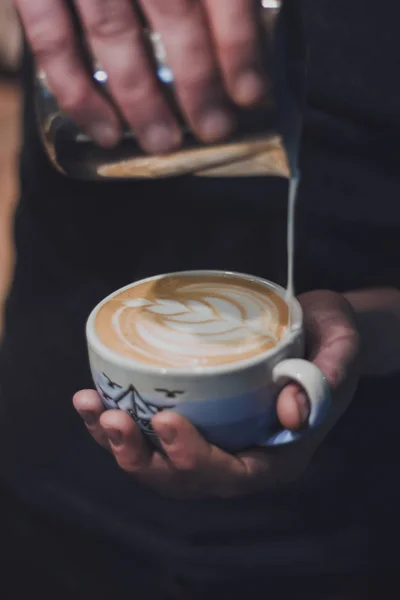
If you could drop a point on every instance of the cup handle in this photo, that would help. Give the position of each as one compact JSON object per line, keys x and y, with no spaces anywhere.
{"x":311,"y":379}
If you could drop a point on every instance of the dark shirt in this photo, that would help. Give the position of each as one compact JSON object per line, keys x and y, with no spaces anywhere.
{"x":78,"y":241}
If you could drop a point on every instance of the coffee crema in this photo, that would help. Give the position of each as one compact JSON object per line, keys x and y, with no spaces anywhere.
{"x":190,"y":321}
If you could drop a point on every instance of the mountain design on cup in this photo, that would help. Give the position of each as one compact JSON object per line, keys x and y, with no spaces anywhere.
{"x":190,"y":322}
{"x":116,"y":397}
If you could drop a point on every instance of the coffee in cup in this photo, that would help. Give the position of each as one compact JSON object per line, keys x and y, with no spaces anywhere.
{"x":190,"y":321}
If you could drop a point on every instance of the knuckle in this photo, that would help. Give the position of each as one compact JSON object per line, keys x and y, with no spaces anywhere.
{"x":49,"y":42}
{"x":111,"y":23}
{"x":43,"y":36}
{"x":187,"y":464}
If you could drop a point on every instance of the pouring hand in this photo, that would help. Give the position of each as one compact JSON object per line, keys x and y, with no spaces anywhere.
{"x":213,"y":49}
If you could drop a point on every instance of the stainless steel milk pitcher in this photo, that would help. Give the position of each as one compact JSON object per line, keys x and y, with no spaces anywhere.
{"x":265,"y":142}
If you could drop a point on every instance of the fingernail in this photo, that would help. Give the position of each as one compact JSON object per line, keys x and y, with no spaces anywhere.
{"x":104,"y":133}
{"x":88,"y":417}
{"x":250,"y":88}
{"x":216,"y":124}
{"x":304,"y":406}
{"x":161,"y":137}
{"x":114,"y":436}
{"x":168,"y":435}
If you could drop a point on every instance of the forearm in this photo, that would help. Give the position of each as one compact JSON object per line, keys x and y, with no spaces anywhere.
{"x":378,"y":317}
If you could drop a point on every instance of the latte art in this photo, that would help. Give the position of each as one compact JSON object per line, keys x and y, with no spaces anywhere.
{"x":189,"y":321}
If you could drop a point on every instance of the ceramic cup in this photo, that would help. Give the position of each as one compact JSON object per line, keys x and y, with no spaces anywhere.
{"x":233,"y":406}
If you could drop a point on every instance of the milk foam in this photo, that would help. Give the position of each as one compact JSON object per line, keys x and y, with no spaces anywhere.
{"x":189,"y":322}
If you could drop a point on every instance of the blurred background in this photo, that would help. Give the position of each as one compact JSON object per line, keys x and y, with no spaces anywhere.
{"x":10,"y":54}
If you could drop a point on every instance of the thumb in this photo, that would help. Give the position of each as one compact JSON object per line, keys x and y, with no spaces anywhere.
{"x":293,"y":407}
{"x":332,"y":345}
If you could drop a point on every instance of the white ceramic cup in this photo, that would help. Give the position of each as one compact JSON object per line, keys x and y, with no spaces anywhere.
{"x":233,"y":406}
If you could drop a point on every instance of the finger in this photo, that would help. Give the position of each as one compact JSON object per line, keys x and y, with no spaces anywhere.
{"x":50,"y":33}
{"x":331,"y":335}
{"x":185,"y":34}
{"x":293,"y":407}
{"x":127,"y":443}
{"x":207,"y":466}
{"x":90,"y":408}
{"x":116,"y":37}
{"x":237,"y":37}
